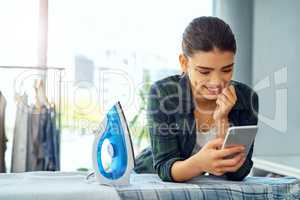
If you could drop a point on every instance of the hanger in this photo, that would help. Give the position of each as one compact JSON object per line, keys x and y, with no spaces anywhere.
{"x":20,"y":96}
{"x":41,"y":98}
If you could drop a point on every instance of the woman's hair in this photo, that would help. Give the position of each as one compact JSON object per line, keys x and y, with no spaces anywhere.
{"x":207,"y":33}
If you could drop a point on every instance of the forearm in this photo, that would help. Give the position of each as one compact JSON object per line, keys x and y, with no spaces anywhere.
{"x":189,"y":168}
{"x":185,"y":170}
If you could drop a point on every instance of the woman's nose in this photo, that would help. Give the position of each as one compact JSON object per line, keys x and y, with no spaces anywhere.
{"x":215,"y":81}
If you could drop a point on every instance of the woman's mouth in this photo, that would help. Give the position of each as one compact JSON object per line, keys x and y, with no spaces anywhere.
{"x":213,"y":90}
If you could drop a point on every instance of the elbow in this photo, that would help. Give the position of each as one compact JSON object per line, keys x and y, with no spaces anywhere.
{"x":163,"y":174}
{"x":163,"y":170}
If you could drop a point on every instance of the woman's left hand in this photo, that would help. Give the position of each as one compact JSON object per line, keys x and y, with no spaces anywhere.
{"x":225,"y":101}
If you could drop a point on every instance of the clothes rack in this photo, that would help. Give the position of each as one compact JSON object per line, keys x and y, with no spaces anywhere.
{"x":45,"y":68}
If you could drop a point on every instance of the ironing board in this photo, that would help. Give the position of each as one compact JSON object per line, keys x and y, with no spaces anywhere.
{"x":73,"y":185}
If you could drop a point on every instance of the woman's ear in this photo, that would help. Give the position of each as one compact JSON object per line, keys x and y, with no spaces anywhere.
{"x":183,"y":60}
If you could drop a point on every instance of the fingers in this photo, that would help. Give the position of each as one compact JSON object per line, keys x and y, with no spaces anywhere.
{"x":225,"y":163}
{"x":234,"y":168}
{"x":228,"y":95}
{"x":215,"y":143}
{"x":231,"y":165}
{"x":228,"y":92}
{"x":230,"y":151}
{"x":223,"y":102}
{"x":232,"y":90}
{"x":226,"y":98}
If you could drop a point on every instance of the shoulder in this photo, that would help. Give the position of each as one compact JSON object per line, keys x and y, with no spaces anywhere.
{"x":166,"y":86}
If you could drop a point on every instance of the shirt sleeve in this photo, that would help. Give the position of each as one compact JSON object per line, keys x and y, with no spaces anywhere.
{"x":164,"y":141}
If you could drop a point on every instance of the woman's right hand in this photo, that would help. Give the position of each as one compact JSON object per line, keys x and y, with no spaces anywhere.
{"x":212,"y":159}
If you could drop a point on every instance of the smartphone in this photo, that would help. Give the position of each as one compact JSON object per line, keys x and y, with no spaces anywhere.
{"x":240,"y":135}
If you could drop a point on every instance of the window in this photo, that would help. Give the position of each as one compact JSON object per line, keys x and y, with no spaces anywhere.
{"x":19,"y":31}
{"x":110,"y":48}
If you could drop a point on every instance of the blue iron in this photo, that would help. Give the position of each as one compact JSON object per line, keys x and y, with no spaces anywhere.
{"x":113,"y":156}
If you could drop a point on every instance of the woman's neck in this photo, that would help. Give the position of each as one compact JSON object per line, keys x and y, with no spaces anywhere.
{"x":205,"y":106}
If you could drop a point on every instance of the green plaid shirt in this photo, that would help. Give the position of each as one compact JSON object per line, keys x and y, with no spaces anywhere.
{"x":172,"y":125}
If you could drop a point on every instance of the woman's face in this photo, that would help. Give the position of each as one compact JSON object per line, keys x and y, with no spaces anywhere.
{"x":209,"y":72}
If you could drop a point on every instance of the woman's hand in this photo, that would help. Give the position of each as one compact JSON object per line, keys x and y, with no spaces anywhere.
{"x":211,"y":158}
{"x":225,"y":101}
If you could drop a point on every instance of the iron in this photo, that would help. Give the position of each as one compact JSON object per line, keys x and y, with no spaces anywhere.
{"x":113,"y":155}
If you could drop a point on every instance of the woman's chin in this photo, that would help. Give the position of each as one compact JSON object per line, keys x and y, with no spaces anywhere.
{"x":210,"y":97}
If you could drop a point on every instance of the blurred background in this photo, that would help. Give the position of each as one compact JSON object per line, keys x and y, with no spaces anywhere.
{"x":94,"y":53}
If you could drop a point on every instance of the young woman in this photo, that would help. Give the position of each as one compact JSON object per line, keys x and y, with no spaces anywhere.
{"x":189,"y":114}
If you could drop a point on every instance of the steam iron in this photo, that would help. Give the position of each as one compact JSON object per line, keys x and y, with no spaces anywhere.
{"x":113,"y":155}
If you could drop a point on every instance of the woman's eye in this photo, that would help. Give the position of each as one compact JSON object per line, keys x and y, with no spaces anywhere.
{"x":203,"y":72}
{"x":227,"y":71}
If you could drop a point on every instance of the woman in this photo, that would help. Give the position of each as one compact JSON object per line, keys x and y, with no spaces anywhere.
{"x":189,"y":114}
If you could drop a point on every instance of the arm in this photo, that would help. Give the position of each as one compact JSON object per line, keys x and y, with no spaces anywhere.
{"x":168,"y":163}
{"x":185,"y":170}
{"x":163,"y":142}
{"x":248,"y":118}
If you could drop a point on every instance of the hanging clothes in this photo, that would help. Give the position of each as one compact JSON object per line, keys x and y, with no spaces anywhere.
{"x":33,"y":145}
{"x":3,"y":138}
{"x":36,"y":137}
{"x":56,"y":138}
{"x":19,"y":150}
{"x":43,"y":140}
{"x":48,"y":138}
{"x":52,"y":138}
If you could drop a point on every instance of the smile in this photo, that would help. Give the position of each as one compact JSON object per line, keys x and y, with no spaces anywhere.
{"x":213,"y":91}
